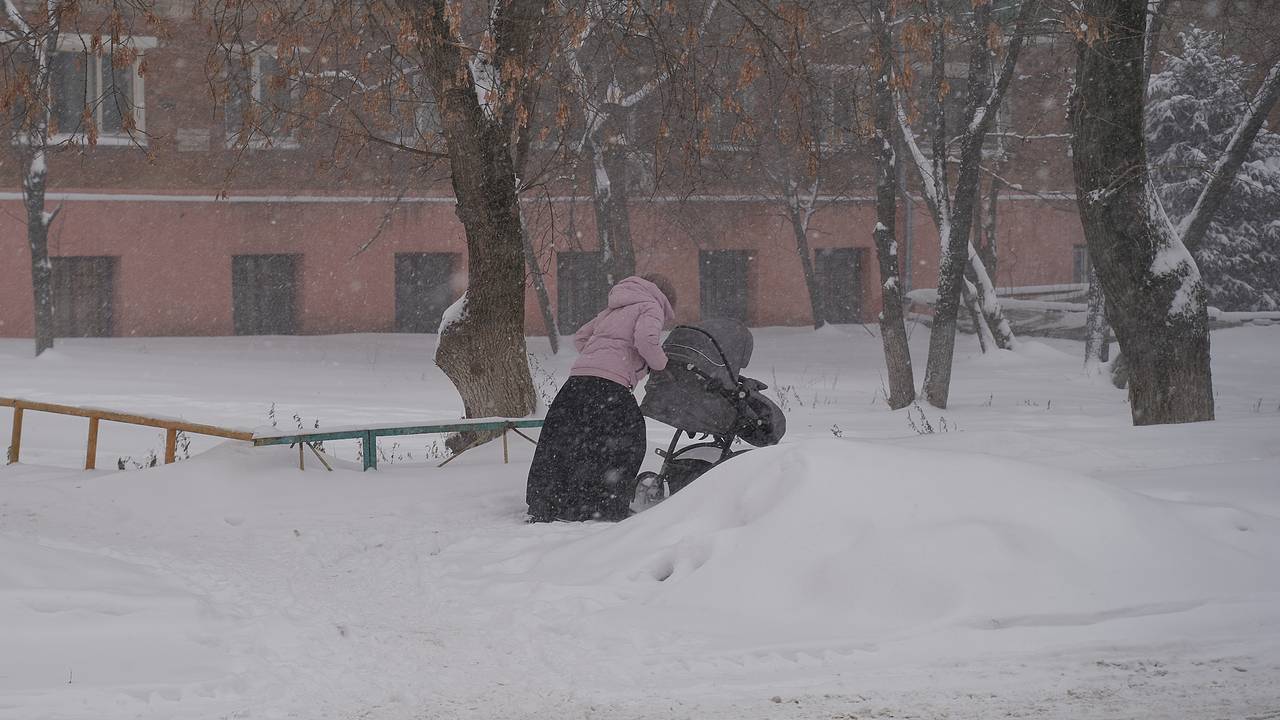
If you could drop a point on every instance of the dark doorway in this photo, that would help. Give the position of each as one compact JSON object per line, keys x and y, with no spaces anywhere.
{"x":722,"y":279}
{"x":264,"y":291}
{"x":839,"y":275}
{"x":83,"y":288}
{"x":582,"y":290}
{"x":423,"y":290}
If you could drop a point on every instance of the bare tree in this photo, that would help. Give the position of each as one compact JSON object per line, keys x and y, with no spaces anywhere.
{"x":482,"y":102}
{"x":1192,"y":228}
{"x":1155,"y":298}
{"x":35,"y":35}
{"x":786,"y":119}
{"x":955,"y":219}
{"x":29,"y":69}
{"x":893,"y":332}
{"x":804,"y":150}
{"x":609,"y":33}
{"x":362,"y":71}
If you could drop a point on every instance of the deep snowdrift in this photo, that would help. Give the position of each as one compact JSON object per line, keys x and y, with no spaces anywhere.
{"x":821,"y":540}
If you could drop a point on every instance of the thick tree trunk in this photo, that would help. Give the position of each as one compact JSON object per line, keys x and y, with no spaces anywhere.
{"x":1155,"y":299}
{"x":482,"y":351}
{"x":893,"y":331}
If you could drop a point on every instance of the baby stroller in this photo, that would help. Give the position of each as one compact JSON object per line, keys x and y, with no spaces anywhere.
{"x":703,"y":394}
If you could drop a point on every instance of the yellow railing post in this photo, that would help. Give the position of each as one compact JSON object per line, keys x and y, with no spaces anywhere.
{"x":15,"y":442}
{"x":91,"y":452}
{"x":170,"y":446}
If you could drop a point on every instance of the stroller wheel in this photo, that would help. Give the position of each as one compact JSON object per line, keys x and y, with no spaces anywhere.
{"x":650,"y":491}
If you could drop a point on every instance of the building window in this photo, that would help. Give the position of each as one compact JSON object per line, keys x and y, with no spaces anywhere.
{"x":417,"y":119}
{"x":96,"y":91}
{"x":83,"y":294}
{"x":262,"y":102}
{"x":1080,"y":267}
{"x":838,"y":273}
{"x":264,"y":292}
{"x":837,"y":88}
{"x":582,"y":290}
{"x":722,"y":276}
{"x":423,"y":290}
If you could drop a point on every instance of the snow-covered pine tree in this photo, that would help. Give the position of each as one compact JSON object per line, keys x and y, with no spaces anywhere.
{"x":1193,"y":107}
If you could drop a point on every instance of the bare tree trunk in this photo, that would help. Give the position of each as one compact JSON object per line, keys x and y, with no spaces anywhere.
{"x":988,"y":304}
{"x":958,"y":252}
{"x":893,"y":330}
{"x":613,"y":218}
{"x":483,"y":350}
{"x":816,"y":307}
{"x":524,"y":140}
{"x":799,"y":210}
{"x":33,"y":188}
{"x":540,"y":288}
{"x":987,"y":249}
{"x":1095,"y":327}
{"x":33,"y":132}
{"x":1155,"y":298}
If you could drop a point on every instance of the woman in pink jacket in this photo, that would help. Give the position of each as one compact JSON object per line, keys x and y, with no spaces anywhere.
{"x":593,"y":439}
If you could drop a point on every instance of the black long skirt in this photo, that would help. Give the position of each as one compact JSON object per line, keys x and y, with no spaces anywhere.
{"x":589,"y":452}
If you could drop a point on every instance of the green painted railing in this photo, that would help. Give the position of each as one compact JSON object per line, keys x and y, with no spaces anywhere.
{"x":368,"y":435}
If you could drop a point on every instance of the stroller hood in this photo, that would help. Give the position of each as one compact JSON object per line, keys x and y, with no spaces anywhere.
{"x":702,"y":390}
{"x":717,"y":348}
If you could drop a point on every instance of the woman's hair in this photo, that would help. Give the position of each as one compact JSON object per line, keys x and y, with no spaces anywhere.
{"x":664,"y":285}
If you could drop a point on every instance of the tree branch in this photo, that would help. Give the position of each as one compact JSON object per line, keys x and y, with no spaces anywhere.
{"x":15,"y":17}
{"x":1193,"y":227}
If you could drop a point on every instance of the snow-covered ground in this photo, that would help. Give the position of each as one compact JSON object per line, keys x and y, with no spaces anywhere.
{"x":1033,"y":556}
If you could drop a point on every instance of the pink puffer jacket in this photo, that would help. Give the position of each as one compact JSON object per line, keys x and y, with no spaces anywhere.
{"x":624,"y":341}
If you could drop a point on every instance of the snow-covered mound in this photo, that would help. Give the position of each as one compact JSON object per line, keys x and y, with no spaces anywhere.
{"x":857,"y":542}
{"x":83,"y":619}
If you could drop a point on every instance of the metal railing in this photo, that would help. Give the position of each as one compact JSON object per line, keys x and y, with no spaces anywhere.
{"x":96,"y":415}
